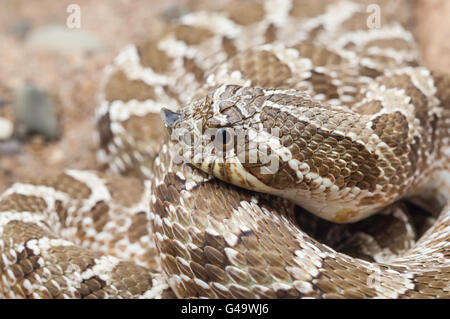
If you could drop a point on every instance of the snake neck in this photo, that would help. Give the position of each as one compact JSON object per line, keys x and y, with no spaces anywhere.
{"x":440,"y":180}
{"x":433,"y":191}
{"x":442,"y":84}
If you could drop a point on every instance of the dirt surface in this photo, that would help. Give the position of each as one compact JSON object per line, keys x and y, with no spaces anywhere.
{"x":71,"y":77}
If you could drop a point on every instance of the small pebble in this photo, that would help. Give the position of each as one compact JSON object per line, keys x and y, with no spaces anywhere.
{"x":10,"y":147}
{"x":35,"y":113}
{"x":6,"y":128}
{"x":3,"y":102}
{"x":20,"y":29}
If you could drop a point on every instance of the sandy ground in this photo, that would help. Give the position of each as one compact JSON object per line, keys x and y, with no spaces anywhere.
{"x":71,"y":77}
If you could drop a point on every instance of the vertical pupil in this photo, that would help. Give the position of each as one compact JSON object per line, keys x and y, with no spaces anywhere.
{"x":225,"y":137}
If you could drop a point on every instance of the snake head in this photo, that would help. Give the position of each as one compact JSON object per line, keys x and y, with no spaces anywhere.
{"x":222,"y":134}
{"x":281,"y":142}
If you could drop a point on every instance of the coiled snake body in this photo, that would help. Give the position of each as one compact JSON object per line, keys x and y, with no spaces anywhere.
{"x":352,"y":120}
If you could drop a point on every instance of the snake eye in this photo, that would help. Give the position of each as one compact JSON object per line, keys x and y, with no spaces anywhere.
{"x":224,"y":137}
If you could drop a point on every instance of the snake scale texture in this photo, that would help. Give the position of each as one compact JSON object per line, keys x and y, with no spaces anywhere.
{"x":353,"y":120}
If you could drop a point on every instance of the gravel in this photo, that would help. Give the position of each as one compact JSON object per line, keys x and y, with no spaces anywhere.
{"x":6,"y":128}
{"x":10,"y":147}
{"x":35,"y":113}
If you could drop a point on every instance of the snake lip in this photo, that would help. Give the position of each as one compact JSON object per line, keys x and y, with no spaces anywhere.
{"x":169,"y":118}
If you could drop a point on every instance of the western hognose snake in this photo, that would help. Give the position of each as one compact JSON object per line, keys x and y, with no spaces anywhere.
{"x":348,"y":114}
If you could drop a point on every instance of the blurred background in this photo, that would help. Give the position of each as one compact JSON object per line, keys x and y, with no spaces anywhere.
{"x":49,"y":73}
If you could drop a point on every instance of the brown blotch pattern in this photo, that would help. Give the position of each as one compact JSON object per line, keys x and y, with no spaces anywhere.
{"x":392,"y":128}
{"x":81,"y":257}
{"x":358,"y":21}
{"x":66,"y":184}
{"x":172,"y":94}
{"x":62,"y":212}
{"x":306,"y":8}
{"x":146,"y":128}
{"x":368,"y":108}
{"x":192,"y":35}
{"x":345,"y":162}
{"x":296,"y":100}
{"x":319,"y":55}
{"x":131,"y":280}
{"x":369,"y":72}
{"x":228,"y":47}
{"x":381,"y":64}
{"x":263,"y":68}
{"x":245,"y":12}
{"x":322,"y":84}
{"x":418,"y":99}
{"x":120,"y":87}
{"x":23,"y":203}
{"x":154,"y":58}
{"x":104,"y":131}
{"x":442,"y":84}
{"x":100,"y":215}
{"x":20,"y":232}
{"x":402,"y":157}
{"x":333,"y":286}
{"x":271,"y":33}
{"x":191,"y":67}
{"x":126,"y":191}
{"x":391,"y":43}
{"x":139,"y":226}
{"x":92,"y":288}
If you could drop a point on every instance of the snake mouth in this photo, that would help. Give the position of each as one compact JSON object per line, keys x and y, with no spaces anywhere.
{"x":169,"y":118}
